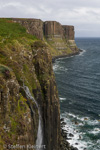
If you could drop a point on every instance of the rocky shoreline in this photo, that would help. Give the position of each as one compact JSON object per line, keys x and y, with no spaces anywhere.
{"x":65,"y":145}
{"x":69,"y":55}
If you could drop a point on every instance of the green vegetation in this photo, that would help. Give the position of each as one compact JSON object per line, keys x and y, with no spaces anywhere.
{"x":55,"y":43}
{"x":16,"y":124}
{"x":5,"y":71}
{"x":3,"y":68}
{"x":39,"y":44}
{"x":10,"y":30}
{"x":15,"y":46}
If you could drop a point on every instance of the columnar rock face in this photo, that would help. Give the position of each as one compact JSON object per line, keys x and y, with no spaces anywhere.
{"x":53,"y":29}
{"x":49,"y":28}
{"x":53,"y":32}
{"x":68,"y":32}
{"x":50,"y":104}
{"x":33,"y":26}
{"x":60,"y":37}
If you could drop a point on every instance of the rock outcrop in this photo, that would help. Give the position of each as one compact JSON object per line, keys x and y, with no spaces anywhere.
{"x":53,"y":29}
{"x":68,"y":32}
{"x":33,"y":26}
{"x":59,"y":37}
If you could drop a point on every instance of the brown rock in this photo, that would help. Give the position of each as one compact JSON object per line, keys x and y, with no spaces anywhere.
{"x":33,"y":26}
{"x":85,"y":118}
{"x":53,"y":29}
{"x":68,"y":32}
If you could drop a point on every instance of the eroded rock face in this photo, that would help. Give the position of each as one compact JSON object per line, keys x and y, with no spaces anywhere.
{"x":50,"y":105}
{"x":68,"y":32}
{"x":53,"y":29}
{"x":49,"y":28}
{"x":33,"y":26}
{"x":60,"y":37}
{"x":18,"y":123}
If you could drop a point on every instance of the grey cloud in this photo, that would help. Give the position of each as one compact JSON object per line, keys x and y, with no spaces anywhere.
{"x":83,"y":14}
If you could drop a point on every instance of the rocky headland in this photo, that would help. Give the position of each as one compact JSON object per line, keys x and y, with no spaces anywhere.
{"x":29,"y":103}
{"x":59,"y":38}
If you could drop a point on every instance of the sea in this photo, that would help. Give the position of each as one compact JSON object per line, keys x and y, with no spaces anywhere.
{"x":78,"y":83}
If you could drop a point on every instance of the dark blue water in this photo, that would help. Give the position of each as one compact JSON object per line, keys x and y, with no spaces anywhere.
{"x":78,"y":81}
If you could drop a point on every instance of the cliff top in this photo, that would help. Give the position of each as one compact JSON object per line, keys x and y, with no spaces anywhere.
{"x":10,"y":31}
{"x":59,"y":38}
{"x":27,"y":19}
{"x":67,"y":25}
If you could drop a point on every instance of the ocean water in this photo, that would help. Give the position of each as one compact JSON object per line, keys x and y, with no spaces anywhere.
{"x":78,"y":82}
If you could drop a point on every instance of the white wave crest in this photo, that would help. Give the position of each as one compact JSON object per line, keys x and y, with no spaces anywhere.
{"x":79,"y":137}
{"x":81,"y":53}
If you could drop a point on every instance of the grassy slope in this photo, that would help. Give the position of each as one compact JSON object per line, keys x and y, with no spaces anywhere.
{"x":10,"y":31}
{"x":15,"y":49}
{"x":14,"y":41}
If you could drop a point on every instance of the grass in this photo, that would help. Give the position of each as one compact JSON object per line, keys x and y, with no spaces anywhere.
{"x":10,"y":30}
{"x":3,"y":68}
{"x":62,"y":43}
{"x":5,"y":71}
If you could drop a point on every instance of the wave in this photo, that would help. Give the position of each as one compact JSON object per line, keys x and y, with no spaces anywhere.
{"x":81,"y":86}
{"x":64,"y":58}
{"x":57,"y":68}
{"x":84,"y":119}
{"x":62,"y":99}
{"x":77,"y":127}
{"x":95,"y":131}
{"x":76,"y":139}
{"x":81,"y":53}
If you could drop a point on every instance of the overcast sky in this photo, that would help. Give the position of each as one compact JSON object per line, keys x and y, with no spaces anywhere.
{"x":83,"y":14}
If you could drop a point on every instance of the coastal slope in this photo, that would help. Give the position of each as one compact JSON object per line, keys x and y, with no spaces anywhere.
{"x":29,"y":103}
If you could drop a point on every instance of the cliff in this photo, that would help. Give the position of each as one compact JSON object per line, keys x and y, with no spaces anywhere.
{"x":29,"y":103}
{"x":33,"y":26}
{"x":60,"y":38}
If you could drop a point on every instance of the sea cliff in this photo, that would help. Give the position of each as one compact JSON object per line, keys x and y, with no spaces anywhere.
{"x":29,"y":103}
{"x":59,"y":38}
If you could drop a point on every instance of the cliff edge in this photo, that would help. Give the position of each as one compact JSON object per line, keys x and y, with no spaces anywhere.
{"x":59,"y":38}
